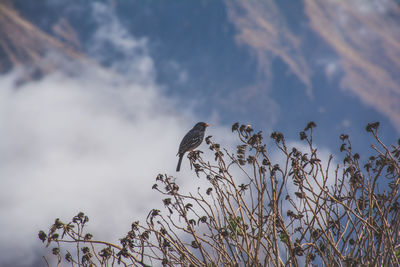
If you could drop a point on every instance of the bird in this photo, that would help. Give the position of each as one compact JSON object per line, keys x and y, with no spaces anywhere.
{"x":191,"y":140}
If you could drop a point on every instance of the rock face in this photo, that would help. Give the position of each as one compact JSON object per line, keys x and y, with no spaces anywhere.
{"x":364,"y":37}
{"x":23,"y":45}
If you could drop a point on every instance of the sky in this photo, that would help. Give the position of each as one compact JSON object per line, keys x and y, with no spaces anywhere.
{"x":91,"y":135}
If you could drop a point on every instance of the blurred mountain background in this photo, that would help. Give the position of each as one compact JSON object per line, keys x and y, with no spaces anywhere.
{"x":24,"y":44}
{"x":273,"y":64}
{"x":337,"y":60}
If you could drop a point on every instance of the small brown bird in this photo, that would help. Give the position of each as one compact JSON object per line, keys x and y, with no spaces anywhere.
{"x":191,"y":140}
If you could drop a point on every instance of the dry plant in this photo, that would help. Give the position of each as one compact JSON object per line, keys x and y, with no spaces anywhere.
{"x":256,"y":212}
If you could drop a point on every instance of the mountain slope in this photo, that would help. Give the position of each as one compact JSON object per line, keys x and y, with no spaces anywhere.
{"x":23,"y":44}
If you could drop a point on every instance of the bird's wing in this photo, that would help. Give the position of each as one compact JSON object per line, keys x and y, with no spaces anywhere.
{"x":190,"y":141}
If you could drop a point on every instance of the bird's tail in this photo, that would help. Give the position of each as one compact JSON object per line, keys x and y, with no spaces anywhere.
{"x":179,"y":162}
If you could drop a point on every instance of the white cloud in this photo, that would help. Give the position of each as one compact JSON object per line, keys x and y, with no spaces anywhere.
{"x":93,"y":142}
{"x":80,"y":143}
{"x":374,"y":6}
{"x":130,"y":55}
{"x":331,"y":66}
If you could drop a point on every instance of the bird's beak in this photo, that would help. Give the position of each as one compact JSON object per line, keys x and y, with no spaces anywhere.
{"x":207,"y":124}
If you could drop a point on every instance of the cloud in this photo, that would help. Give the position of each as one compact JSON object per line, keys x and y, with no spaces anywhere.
{"x":81,"y":143}
{"x":92,"y":140}
{"x":113,"y":45}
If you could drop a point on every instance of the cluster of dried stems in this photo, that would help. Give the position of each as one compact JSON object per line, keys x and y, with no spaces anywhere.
{"x":301,"y":212}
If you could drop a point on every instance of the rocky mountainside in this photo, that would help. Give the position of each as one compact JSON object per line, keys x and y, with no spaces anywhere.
{"x":24,"y":44}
